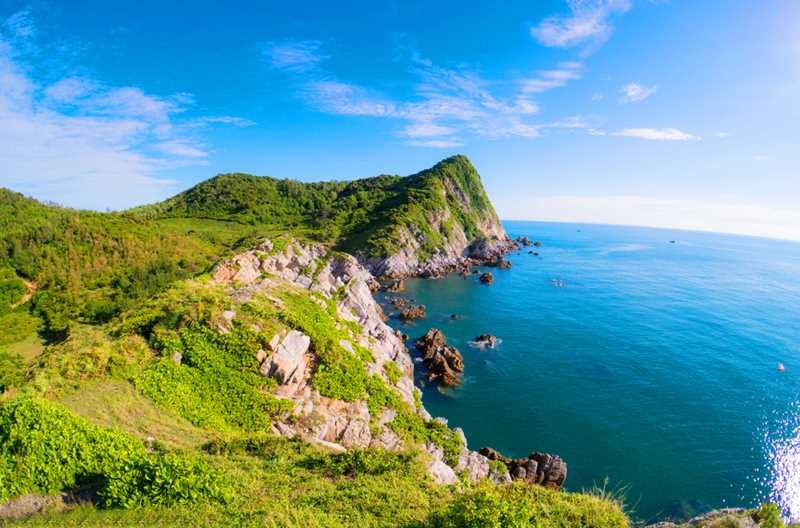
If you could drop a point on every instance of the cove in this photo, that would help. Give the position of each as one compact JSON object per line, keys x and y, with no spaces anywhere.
{"x":644,"y":357}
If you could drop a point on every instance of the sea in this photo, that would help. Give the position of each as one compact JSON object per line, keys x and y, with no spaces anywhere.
{"x":662,"y":365}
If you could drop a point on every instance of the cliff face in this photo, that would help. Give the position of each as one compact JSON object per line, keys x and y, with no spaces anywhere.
{"x":445,"y":217}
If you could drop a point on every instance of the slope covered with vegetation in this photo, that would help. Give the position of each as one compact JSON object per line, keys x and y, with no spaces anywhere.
{"x":162,"y":417}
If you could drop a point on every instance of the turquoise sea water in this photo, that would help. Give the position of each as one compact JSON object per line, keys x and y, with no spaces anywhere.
{"x":650,"y":363}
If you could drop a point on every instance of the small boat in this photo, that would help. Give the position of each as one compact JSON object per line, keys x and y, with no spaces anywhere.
{"x":781,"y":367}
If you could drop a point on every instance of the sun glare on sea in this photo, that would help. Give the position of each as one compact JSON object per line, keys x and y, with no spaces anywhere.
{"x":783,"y":453}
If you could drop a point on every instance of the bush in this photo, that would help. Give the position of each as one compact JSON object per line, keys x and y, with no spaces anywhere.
{"x":12,"y":371}
{"x":44,"y":448}
{"x":217,"y":385}
{"x":521,"y":505}
{"x":162,"y":480}
{"x":768,"y":516}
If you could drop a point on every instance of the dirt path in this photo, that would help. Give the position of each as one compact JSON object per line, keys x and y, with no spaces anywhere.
{"x":30,"y":289}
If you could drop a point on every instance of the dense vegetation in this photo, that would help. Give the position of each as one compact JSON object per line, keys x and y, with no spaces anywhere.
{"x":89,"y":266}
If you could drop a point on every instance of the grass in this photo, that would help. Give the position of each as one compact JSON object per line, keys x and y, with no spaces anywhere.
{"x":116,"y":404}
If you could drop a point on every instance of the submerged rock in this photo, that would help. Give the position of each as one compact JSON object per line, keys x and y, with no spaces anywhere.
{"x":486,"y":278}
{"x":444,"y":362}
{"x":538,"y":468}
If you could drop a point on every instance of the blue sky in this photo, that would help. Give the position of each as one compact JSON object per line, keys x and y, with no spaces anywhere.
{"x":647,"y":112}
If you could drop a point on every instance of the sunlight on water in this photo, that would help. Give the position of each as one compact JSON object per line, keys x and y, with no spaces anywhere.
{"x":783,"y":447}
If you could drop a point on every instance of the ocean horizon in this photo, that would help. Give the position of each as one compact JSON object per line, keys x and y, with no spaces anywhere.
{"x":647,"y":358}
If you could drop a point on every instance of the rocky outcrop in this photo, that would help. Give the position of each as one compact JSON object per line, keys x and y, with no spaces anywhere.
{"x":729,"y":518}
{"x":523,"y":241}
{"x":288,"y":360}
{"x":396,"y":285}
{"x":415,"y":311}
{"x":486,"y":278}
{"x":290,"y":357}
{"x":538,"y":468}
{"x":485,"y":341}
{"x":443,"y":362}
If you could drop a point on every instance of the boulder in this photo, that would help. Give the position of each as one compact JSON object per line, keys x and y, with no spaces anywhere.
{"x":546,"y":470}
{"x":441,"y":473}
{"x":537,"y":244}
{"x":396,"y":285}
{"x":287,"y":364}
{"x":485,"y":341}
{"x":486,"y":278}
{"x":443,"y":362}
{"x":416,"y":311}
{"x":524,"y":241}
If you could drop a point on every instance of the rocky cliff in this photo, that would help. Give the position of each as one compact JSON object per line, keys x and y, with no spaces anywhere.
{"x":341,"y":285}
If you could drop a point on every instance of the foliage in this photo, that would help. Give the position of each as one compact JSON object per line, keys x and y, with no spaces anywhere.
{"x":12,"y":371}
{"x":44,"y":448}
{"x":217,"y":384}
{"x":392,"y":371}
{"x":11,"y":289}
{"x":768,"y":516}
{"x":520,"y":505}
{"x":163,"y":479}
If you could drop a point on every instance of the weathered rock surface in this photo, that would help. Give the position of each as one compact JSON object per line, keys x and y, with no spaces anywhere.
{"x":538,"y":468}
{"x":288,"y":361}
{"x":443,"y":362}
{"x":486,"y":278}
{"x":727,"y":517}
{"x":416,"y":311}
{"x":396,"y":285}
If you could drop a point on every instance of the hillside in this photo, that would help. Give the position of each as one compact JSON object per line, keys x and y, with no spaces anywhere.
{"x":396,"y":224}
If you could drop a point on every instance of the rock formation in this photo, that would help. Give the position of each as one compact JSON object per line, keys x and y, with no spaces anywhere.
{"x":443,"y":362}
{"x":416,"y":311}
{"x":486,"y":278}
{"x":485,"y":341}
{"x":538,"y":468}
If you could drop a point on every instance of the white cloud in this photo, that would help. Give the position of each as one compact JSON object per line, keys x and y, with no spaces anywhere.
{"x":294,"y":56}
{"x":550,"y":79}
{"x":635,"y":92}
{"x":435,"y":143}
{"x":82,"y":143}
{"x":588,"y":21}
{"x":427,"y":130}
{"x":740,"y":218}
{"x":443,"y":100}
{"x":657,"y":134}
{"x":347,"y":99}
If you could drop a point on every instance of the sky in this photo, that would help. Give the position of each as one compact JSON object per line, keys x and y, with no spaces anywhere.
{"x":664,"y":113}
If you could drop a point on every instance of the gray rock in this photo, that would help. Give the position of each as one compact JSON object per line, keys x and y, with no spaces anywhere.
{"x":288,"y":363}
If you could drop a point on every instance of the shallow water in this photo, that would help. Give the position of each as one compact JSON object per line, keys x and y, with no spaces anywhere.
{"x":650,"y":363}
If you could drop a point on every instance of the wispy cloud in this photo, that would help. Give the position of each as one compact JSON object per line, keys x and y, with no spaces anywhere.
{"x":446,"y":103}
{"x":294,"y":56}
{"x":549,"y":79}
{"x":84,"y":143}
{"x":588,"y":22}
{"x":657,"y":134}
{"x":635,"y":92}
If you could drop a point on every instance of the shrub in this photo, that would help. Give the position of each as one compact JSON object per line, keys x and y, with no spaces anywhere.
{"x":162,"y":480}
{"x":521,"y":505}
{"x":768,"y":516}
{"x":217,"y":385}
{"x":44,"y":448}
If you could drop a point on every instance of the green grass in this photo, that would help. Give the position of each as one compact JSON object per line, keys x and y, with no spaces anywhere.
{"x":116,"y":404}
